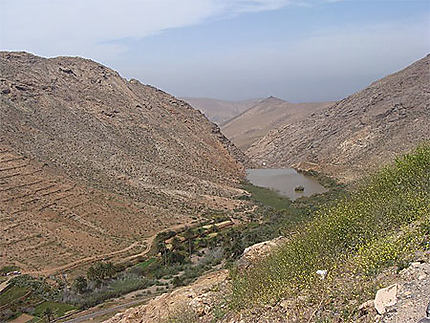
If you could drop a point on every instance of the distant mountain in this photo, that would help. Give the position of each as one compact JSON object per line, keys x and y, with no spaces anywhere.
{"x":219,"y":111}
{"x":92,"y":164}
{"x":270,"y":113}
{"x":358,"y":133}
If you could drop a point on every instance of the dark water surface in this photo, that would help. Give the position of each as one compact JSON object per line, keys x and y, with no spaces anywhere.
{"x":284,"y":181}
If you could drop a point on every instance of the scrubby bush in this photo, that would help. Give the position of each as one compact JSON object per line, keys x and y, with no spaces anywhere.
{"x":371,"y":227}
{"x":101,"y":271}
{"x":80,"y":284}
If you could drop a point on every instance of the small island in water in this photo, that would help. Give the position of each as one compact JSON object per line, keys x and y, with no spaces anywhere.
{"x":286,"y":181}
{"x":299,"y":188}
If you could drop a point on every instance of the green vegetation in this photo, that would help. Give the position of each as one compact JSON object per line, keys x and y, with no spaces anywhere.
{"x":380,"y":224}
{"x":267,"y":197}
{"x":32,"y":296}
{"x":119,"y":286}
{"x":56,"y":309}
{"x":101,"y":271}
{"x":146,"y":263}
{"x":12,"y":294}
{"x":324,"y":180}
{"x":177,"y":257}
{"x":80,"y":284}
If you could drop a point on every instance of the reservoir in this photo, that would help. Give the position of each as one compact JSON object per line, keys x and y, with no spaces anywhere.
{"x":284,"y":181}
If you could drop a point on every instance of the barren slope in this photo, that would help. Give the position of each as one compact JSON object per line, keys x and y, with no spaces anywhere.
{"x":358,"y":133}
{"x":268,"y":114}
{"x":220,"y":111}
{"x":91,"y":163}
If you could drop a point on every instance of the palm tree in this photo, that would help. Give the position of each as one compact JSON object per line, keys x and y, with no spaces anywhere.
{"x":176,"y":243}
{"x":161,"y":248}
{"x":189,"y":235}
{"x":48,"y":314}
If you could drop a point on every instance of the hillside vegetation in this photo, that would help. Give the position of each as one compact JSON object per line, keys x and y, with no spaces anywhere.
{"x":380,"y":224}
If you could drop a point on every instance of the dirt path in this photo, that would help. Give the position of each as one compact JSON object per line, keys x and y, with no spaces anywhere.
{"x":91,"y":316}
{"x":52,"y":271}
{"x":148,"y":243}
{"x":5,"y":283}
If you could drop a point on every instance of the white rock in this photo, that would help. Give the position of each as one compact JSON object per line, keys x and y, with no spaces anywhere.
{"x":386,"y":297}
{"x":322,"y":273}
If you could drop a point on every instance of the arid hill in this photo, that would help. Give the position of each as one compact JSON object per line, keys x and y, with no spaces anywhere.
{"x":358,"y":133}
{"x":220,"y":111}
{"x":270,"y":113}
{"x":92,"y":164}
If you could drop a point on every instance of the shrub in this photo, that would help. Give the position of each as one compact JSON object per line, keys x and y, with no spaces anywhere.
{"x":396,"y":197}
{"x":80,"y":284}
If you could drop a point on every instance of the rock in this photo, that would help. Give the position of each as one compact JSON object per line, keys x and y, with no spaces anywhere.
{"x":322,"y":273}
{"x":366,"y":307}
{"x":424,"y":320}
{"x":258,"y":251}
{"x":386,"y":297}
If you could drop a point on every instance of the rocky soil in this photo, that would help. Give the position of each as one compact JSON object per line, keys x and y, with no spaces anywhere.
{"x":404,"y":299}
{"x":413,"y":295}
{"x":358,"y":133}
{"x":202,"y":301}
{"x":186,"y":303}
{"x":86,"y":155}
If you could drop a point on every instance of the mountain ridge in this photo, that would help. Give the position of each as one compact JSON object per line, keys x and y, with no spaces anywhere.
{"x":358,"y":133}
{"x":86,"y":153}
{"x":251,"y":125}
{"x":219,"y":111}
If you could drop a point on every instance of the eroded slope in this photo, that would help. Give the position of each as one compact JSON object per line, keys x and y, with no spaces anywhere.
{"x":108,"y":160}
{"x":358,"y":133}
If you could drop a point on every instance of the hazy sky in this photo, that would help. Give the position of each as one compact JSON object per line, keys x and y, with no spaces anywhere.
{"x":299,"y":50}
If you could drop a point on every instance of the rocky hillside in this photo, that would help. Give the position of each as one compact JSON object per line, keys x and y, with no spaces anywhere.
{"x":405,"y":300}
{"x":91,"y":163}
{"x":270,"y":113}
{"x":357,"y":133}
{"x":363,"y":257}
{"x":220,"y":111}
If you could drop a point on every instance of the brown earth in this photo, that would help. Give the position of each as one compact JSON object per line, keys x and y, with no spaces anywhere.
{"x":270,"y":113}
{"x":356,"y":134}
{"x":184,"y":304}
{"x":220,"y":111}
{"x":93,"y":164}
{"x":205,"y":299}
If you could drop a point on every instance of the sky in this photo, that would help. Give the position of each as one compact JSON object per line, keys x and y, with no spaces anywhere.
{"x":298,"y":50}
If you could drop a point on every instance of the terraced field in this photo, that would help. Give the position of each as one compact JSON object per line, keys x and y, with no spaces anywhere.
{"x":47,"y":221}
{"x":92,"y":165}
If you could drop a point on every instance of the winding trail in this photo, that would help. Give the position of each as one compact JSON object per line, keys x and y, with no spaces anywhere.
{"x":52,"y":271}
{"x":105,"y":311}
{"x":147,"y":242}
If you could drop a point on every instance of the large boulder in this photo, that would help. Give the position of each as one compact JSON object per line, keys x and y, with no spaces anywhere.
{"x":386,"y":297}
{"x":258,"y":251}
